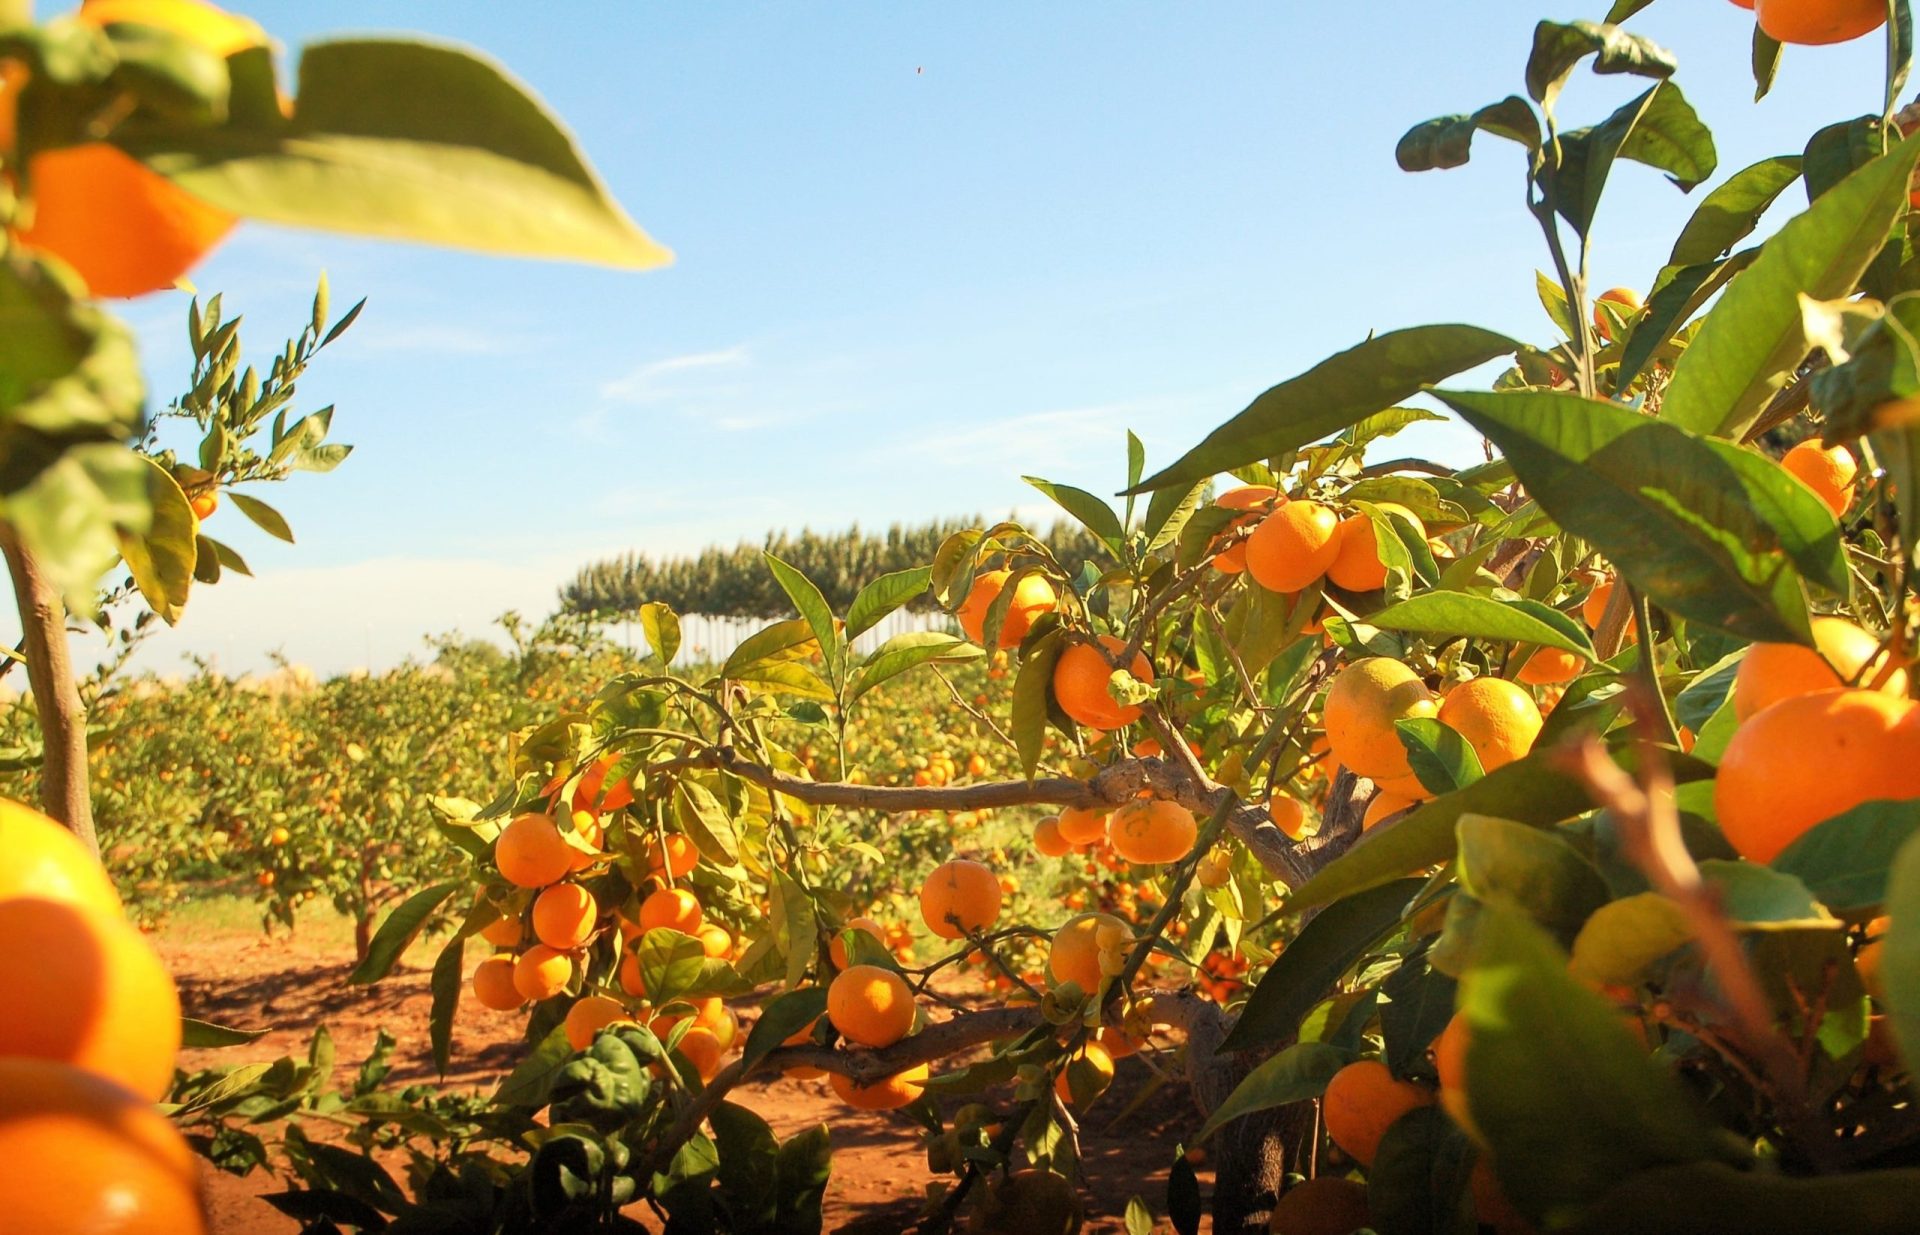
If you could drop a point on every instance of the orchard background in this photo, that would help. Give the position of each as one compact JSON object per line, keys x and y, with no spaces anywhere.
{"x":1309,"y":836}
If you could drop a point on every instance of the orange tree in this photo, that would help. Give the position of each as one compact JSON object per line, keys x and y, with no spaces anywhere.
{"x":1561,"y":806}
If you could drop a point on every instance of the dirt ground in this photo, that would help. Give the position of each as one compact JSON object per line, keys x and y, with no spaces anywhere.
{"x":230,"y":974}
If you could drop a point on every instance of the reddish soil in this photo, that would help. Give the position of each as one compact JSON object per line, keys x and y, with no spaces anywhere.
{"x":879,"y":1167}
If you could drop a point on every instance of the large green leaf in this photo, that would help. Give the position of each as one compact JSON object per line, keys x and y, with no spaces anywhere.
{"x":161,"y":559}
{"x":399,"y":930}
{"x":1621,"y":938}
{"x":909,"y":651}
{"x":1294,"y":1075}
{"x":1483,"y":617}
{"x":1846,"y":861}
{"x":1447,"y":141}
{"x":1530,"y":869}
{"x":402,"y":139}
{"x":1750,"y":343}
{"x":1095,"y":515}
{"x":1708,"y":530}
{"x":1728,"y":214}
{"x":1441,"y":759}
{"x":1659,"y":128}
{"x":1559,"y":46}
{"x":882,"y":596}
{"x":1678,"y":294}
{"x":1334,"y":394}
{"x":812,"y":606}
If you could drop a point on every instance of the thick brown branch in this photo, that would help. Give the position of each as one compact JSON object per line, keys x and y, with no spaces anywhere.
{"x":56,"y":699}
{"x":1110,"y":787}
{"x":936,"y":1041}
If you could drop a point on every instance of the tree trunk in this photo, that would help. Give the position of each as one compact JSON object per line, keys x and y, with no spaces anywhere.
{"x":56,"y":697}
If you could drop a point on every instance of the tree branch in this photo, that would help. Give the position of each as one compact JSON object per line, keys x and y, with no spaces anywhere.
{"x":56,"y":698}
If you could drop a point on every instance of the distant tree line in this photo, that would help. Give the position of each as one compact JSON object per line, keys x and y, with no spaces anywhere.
{"x":734,"y":582}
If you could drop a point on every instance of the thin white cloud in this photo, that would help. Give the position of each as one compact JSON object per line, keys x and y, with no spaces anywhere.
{"x":1034,"y":437}
{"x":654,"y":380}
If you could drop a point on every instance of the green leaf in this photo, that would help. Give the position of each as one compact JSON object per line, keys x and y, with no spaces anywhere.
{"x":1553,"y":298}
{"x":445,"y":985}
{"x":796,"y":927}
{"x":1417,"y":1183}
{"x":1623,"y":937}
{"x":882,"y":596}
{"x":1750,"y":343}
{"x":1447,"y":141}
{"x":1766,"y":62}
{"x":532,"y":1078}
{"x":406,"y":140}
{"x":264,"y":517}
{"x":791,"y":640}
{"x":909,"y":651}
{"x":660,"y":626}
{"x":1095,"y":515}
{"x":1758,"y":898}
{"x":1728,"y":214}
{"x":1325,"y":949}
{"x":749,"y":1165}
{"x":783,"y":1017}
{"x":1708,"y":530}
{"x":1711,"y":1198}
{"x":1168,"y":512}
{"x":1846,"y":861}
{"x":705,"y":821}
{"x":398,"y":932}
{"x":1334,"y":394}
{"x":1483,"y":617}
{"x":1659,"y":129}
{"x":1294,"y":1075}
{"x":1559,"y":46}
{"x":805,"y":1164}
{"x":1420,"y":1002}
{"x":813,"y":607}
{"x":1530,"y":869}
{"x":1702,"y":697}
{"x":162,"y":558}
{"x":1031,"y":689}
{"x":204,"y":1035}
{"x":1900,"y":949}
{"x":1567,"y":1102}
{"x":1678,"y":294}
{"x":671,"y":964}
{"x":1439,"y":756}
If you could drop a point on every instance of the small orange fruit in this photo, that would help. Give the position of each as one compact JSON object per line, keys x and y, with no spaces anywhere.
{"x":589,"y":1015}
{"x":594,"y":794}
{"x":1770,"y":672}
{"x":1818,"y":22}
{"x":1625,"y":297}
{"x":1830,"y":473}
{"x":1385,"y":805}
{"x":1151,"y":832}
{"x":887,"y":1094}
{"x":541,"y":973}
{"x":1497,"y":718}
{"x":674,"y":909}
{"x":681,"y":857}
{"x":1074,"y":954}
{"x":1048,"y":840}
{"x":1293,"y":546}
{"x":1289,"y":814}
{"x":1253,"y":498}
{"x":1594,"y":607}
{"x":1450,"y":1062}
{"x":1083,"y":825}
{"x":1032,"y":597}
{"x":870,"y":1005}
{"x":493,"y":984}
{"x":632,"y":980}
{"x":960,"y":897}
{"x":204,"y":504}
{"x":531,"y":853}
{"x":504,"y":932}
{"x":1550,"y":667}
{"x":1080,"y":680}
{"x":837,"y":947}
{"x":1362,"y":1101}
{"x":715,"y":941}
{"x":1089,"y":1070}
{"x":564,"y":916}
{"x":1363,"y":703}
{"x":702,"y":1048}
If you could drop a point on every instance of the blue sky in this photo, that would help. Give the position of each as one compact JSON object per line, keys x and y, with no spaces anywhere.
{"x":922,"y":249}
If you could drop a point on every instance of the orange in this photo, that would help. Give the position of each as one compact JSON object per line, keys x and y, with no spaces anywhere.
{"x":1497,"y":718}
{"x":594,"y":794}
{"x":1048,"y":840}
{"x":1366,"y":698}
{"x":1289,"y":815}
{"x":1550,"y":667}
{"x":1080,"y":684}
{"x":1362,"y":1101}
{"x":126,"y":230}
{"x":887,"y":1094}
{"x":960,"y":897}
{"x":1829,"y":473}
{"x":1074,"y":954}
{"x":1808,"y":758}
{"x":1771,"y":672}
{"x":1407,"y":786}
{"x":1625,"y":297}
{"x":837,"y":948}
{"x":82,"y":1154}
{"x":531,"y":852}
{"x":632,"y":981}
{"x":1293,"y":546}
{"x":1248,"y":497}
{"x":504,"y":932}
{"x":870,"y":1005}
{"x":493,"y":984}
{"x":702,"y":1048}
{"x":1324,"y":1205}
{"x":87,"y":989}
{"x":541,"y":973}
{"x":1385,"y":805}
{"x":204,"y":504}
{"x":675,"y":909}
{"x":1152,"y":832}
{"x":1491,"y":1205}
{"x":1032,"y":596}
{"x":1450,"y":1062}
{"x":681,"y":857}
{"x":1215,"y":869}
{"x":564,"y":916}
{"x":1083,"y":825}
{"x":1816,"y":22}
{"x":715,"y":941}
{"x":1088,"y":1070}
{"x":1356,"y":564}
{"x":1594,"y":607}
{"x":45,"y":860}
{"x":1867,"y":960}
{"x":589,"y":1015}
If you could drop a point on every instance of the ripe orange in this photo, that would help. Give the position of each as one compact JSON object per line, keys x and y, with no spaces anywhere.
{"x":1625,"y":297}
{"x":1817,"y":22}
{"x":1048,"y":840}
{"x":702,"y":1048}
{"x":126,"y":230}
{"x":1497,"y":718}
{"x":530,"y":852}
{"x":1771,"y":672}
{"x":1362,"y":1101}
{"x":507,"y":932}
{"x":493,"y":984}
{"x":1407,"y":786}
{"x":1356,"y":564}
{"x":1594,"y":607}
{"x":1032,"y":596}
{"x":887,"y":1094}
{"x":1829,"y":473}
{"x":675,"y":909}
{"x":1293,"y":546}
{"x":837,"y":948}
{"x":1385,"y":805}
{"x":84,"y":1155}
{"x":1808,"y":758}
{"x":715,"y":941}
{"x":1151,"y":832}
{"x":594,"y":794}
{"x":589,"y":1015}
{"x":1074,"y":954}
{"x":1250,"y":498}
{"x":870,"y":1005}
{"x":87,"y":989}
{"x":45,"y":860}
{"x":1450,"y":1062}
{"x":1215,"y":869}
{"x":1089,"y":1070}
{"x":1550,"y":667}
{"x":632,"y":981}
{"x":681,"y":857}
{"x":204,"y":504}
{"x":1083,"y":825}
{"x":1080,"y":684}
{"x":1289,"y":815}
{"x":564,"y":916}
{"x":541,"y":973}
{"x":960,"y":897}
{"x":1323,"y":1205}
{"x":1366,"y":698}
